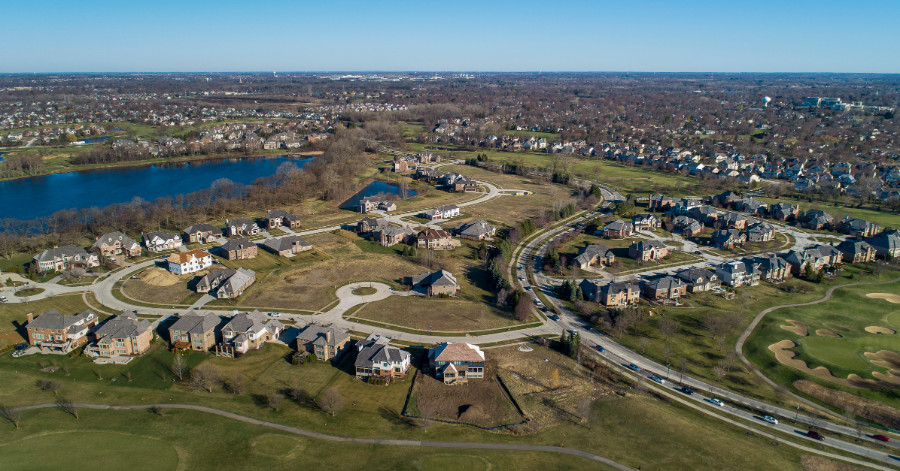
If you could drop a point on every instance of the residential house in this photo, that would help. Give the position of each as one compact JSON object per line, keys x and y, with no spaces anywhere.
{"x":732,"y":221}
{"x":856,"y":251}
{"x":65,"y":257}
{"x":728,"y":238}
{"x":246,"y":331}
{"x":705,"y":214}
{"x":611,"y":294}
{"x":159,"y":241}
{"x":816,"y":219}
{"x":699,"y":279}
{"x":436,"y":239}
{"x":686,"y":226}
{"x":736,"y":274}
{"x":648,"y":250}
{"x":857,"y":227}
{"x":373,"y":203}
{"x":661,"y":203}
{"x":592,"y":255}
{"x":475,"y":230}
{"x":195,"y":332}
{"x":441,"y":212}
{"x":239,"y":249}
{"x":665,"y":288}
{"x":280,"y":217}
{"x":393,"y":235}
{"x":241,"y":227}
{"x":376,"y":359}
{"x":438,"y":283}
{"x":53,"y":332}
{"x":122,"y":335}
{"x":202,"y":233}
{"x":191,"y":261}
{"x":760,"y":232}
{"x":464,"y":184}
{"x":784,"y":211}
{"x":286,"y":246}
{"x":886,"y":244}
{"x":226,"y":283}
{"x":816,"y":258}
{"x":645,"y":222}
{"x":771,"y":268}
{"x":727,"y":199}
{"x":370,"y":225}
{"x":325,"y":343}
{"x":456,"y":363}
{"x":115,"y":243}
{"x":751,"y":206}
{"x":618,"y":229}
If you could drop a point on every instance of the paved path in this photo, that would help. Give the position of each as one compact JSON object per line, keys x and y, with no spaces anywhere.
{"x":335,"y":438}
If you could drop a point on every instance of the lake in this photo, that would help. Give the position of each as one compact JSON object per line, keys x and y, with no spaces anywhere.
{"x":374,"y":189}
{"x":29,"y":198}
{"x":91,"y":140}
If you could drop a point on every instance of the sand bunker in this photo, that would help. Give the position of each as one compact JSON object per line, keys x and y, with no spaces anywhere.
{"x":886,"y":359}
{"x":158,"y":277}
{"x":796,"y":327}
{"x":826,"y":333}
{"x":874,"y":329}
{"x":889,"y":297}
{"x":786,"y":357}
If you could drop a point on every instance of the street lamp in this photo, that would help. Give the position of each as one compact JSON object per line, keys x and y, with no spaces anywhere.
{"x":667,"y":370}
{"x":797,"y":414}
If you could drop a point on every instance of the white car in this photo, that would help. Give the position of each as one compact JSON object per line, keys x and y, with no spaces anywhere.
{"x":771,"y":420}
{"x":717,"y":402}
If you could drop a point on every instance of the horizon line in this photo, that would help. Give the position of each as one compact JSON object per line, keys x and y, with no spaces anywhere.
{"x":419,"y":72}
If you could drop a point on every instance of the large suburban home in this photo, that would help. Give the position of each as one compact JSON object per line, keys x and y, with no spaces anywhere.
{"x":771,"y":268}
{"x":886,"y":244}
{"x":611,"y":294}
{"x":280,"y":217}
{"x":239,"y":249}
{"x":191,"y":261}
{"x":737,"y":274}
{"x":122,"y":335}
{"x":645,"y":221}
{"x":393,"y":235}
{"x":699,"y":279}
{"x":705,"y":214}
{"x":594,"y":254}
{"x":64,"y":258}
{"x":456,"y":363}
{"x":195,"y":332}
{"x":856,"y":251}
{"x":159,"y":241}
{"x":618,"y":229}
{"x":648,"y":250}
{"x":816,"y":219}
{"x":475,"y":230}
{"x":325,"y":343}
{"x":857,"y":227}
{"x":686,"y":226}
{"x":436,"y":239}
{"x":378,"y":360}
{"x":659,"y":202}
{"x":226,"y":283}
{"x":286,"y":246}
{"x":53,"y":332}
{"x":665,"y":288}
{"x":241,"y":227}
{"x":784,"y":211}
{"x":116,"y":243}
{"x":760,"y":232}
{"x":374,"y":203}
{"x":732,"y":220}
{"x":726,"y":199}
{"x":728,"y":238}
{"x":816,"y":258}
{"x":751,"y":206}
{"x":441,"y":212}
{"x":202,"y":233}
{"x":464,"y":184}
{"x":439,"y":283}
{"x":246,"y":331}
{"x":370,"y":225}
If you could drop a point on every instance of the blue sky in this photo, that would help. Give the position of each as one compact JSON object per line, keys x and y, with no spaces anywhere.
{"x":560,"y":35}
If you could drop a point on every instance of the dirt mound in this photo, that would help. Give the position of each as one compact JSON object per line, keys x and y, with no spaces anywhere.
{"x":889,"y":297}
{"x":826,"y":333}
{"x":796,"y":327}
{"x":158,"y":277}
{"x":874,"y":329}
{"x":866,"y":408}
{"x":471,"y":413}
{"x":817,"y":463}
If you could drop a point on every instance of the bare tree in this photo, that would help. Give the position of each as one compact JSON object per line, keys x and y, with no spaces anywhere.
{"x":719,"y":372}
{"x":330,"y":401}
{"x":236,"y":384}
{"x":426,"y":413}
{"x":204,"y":378}
{"x":68,"y":406}
{"x":10,"y":414}
{"x":158,"y":410}
{"x":48,"y":385}
{"x":275,"y":400}
{"x":643,"y":342}
{"x":179,"y":367}
{"x":298,"y":395}
{"x":668,"y":327}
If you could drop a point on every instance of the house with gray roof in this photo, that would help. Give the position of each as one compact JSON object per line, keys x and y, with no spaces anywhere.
{"x":475,"y":230}
{"x":686,"y":226}
{"x":728,"y":238}
{"x":648,"y":250}
{"x":618,"y":229}
{"x":115,"y":243}
{"x":771,"y":268}
{"x":699,"y":279}
{"x":817,"y":258}
{"x":856,"y":251}
{"x":158,"y":241}
{"x":53,"y":332}
{"x":325,"y":343}
{"x":241,"y":227}
{"x":784,"y":211}
{"x":202,"y":233}
{"x":737,"y":273}
{"x":389,"y":235}
{"x":122,"y":335}
{"x":760,"y":232}
{"x":197,"y":332}
{"x":856,"y":227}
{"x":886,"y":244}
{"x":816,"y":219}
{"x":64,"y":258}
{"x":287,"y":245}
{"x":239,"y":249}
{"x":664,"y":288}
{"x":593,"y":254}
{"x":226,"y":283}
{"x":280,"y":217}
{"x":246,"y":331}
{"x":441,"y":282}
{"x":376,"y":359}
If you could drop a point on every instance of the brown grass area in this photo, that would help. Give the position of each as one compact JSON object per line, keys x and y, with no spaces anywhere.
{"x":159,"y":277}
{"x":480,"y":402}
{"x":817,"y":463}
{"x":826,"y":333}
{"x":796,"y":327}
{"x":438,"y":314}
{"x":875,"y":329}
{"x":873,"y":410}
{"x":886,"y":359}
{"x":889,"y":297}
{"x":157,"y":287}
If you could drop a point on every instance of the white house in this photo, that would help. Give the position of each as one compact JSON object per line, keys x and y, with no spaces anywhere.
{"x":442,"y":212}
{"x":159,"y":241}
{"x":189,"y":262}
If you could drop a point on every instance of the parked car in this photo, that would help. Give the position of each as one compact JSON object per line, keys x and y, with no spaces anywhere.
{"x":633,"y":367}
{"x":770,"y":419}
{"x":881,"y":438}
{"x":717,"y":402}
{"x":3,"y":299}
{"x":815,"y":435}
{"x":657,"y":379}
{"x":18,"y":353}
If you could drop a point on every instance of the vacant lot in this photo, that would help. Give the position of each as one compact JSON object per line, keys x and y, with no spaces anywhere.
{"x":436,"y":314}
{"x":157,"y":286}
{"x":480,"y":402}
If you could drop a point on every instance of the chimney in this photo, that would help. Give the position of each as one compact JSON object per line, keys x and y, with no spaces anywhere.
{"x":29,"y":317}
{"x":328,"y":336}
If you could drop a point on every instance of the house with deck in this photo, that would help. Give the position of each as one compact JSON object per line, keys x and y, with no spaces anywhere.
{"x":116,"y":243}
{"x":122,"y":335}
{"x":196,"y":332}
{"x":376,"y":359}
{"x":53,"y":332}
{"x":247,"y":331}
{"x":456,"y":363}
{"x":326,"y":343}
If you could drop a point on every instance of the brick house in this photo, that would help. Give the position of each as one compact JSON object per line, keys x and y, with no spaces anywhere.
{"x":393,"y":235}
{"x":122,"y":335}
{"x":64,"y":258}
{"x":436,"y":239}
{"x":376,"y":359}
{"x":592,"y":255}
{"x":438,"y":283}
{"x":618,"y":229}
{"x":116,"y":243}
{"x":287,"y":245}
{"x":325,"y":343}
{"x":648,"y":250}
{"x":728,"y":238}
{"x":246,"y":331}
{"x":53,"y":332}
{"x":195,"y":332}
{"x":239,"y":249}
{"x":699,"y":279}
{"x":665,"y":288}
{"x":280,"y":217}
{"x":856,"y":251}
{"x":645,"y":221}
{"x":202,"y":233}
{"x":610,"y":294}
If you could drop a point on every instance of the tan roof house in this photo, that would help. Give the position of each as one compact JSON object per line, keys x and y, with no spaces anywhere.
{"x":325,"y":343}
{"x":246,"y":331}
{"x":436,"y":239}
{"x":456,"y":363}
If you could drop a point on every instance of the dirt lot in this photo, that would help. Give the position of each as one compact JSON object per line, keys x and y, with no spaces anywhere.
{"x":481,"y":402}
{"x":158,"y":286}
{"x":867,"y":408}
{"x":817,"y":463}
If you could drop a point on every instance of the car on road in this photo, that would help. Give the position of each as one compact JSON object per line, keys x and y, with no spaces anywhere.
{"x":687,"y":390}
{"x":770,"y":419}
{"x":600,"y":348}
{"x":528,"y":288}
{"x":717,"y":402}
{"x":881,"y":438}
{"x":553,"y":317}
{"x":815,"y":435}
{"x":275,"y":314}
{"x":3,"y":299}
{"x":633,"y":367}
{"x":521,"y":278}
{"x":657,"y":379}
{"x":697,"y":252}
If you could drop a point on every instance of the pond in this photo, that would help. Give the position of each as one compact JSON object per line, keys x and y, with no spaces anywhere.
{"x":377,"y":188}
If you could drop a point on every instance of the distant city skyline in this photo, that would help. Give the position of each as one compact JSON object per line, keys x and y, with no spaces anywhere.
{"x":498,"y":36}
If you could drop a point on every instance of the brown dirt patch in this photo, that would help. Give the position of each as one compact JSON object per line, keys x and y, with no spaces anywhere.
{"x":866,"y":408}
{"x":875,"y":329}
{"x":786,"y":357}
{"x":481,"y":402}
{"x":886,"y":359}
{"x":889,"y":297}
{"x":158,"y":277}
{"x":826,"y":333}
{"x":817,"y":463}
{"x":796,"y":327}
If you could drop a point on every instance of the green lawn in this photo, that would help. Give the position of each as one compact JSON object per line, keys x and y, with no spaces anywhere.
{"x":98,"y":449}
